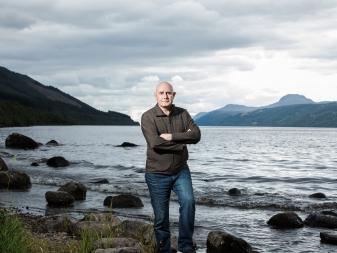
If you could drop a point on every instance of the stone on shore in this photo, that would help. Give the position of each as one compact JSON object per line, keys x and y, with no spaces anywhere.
{"x":19,"y":141}
{"x":119,"y":250}
{"x":102,"y":217}
{"x":103,"y":229}
{"x":57,"y":161}
{"x":318,"y":195}
{"x":76,"y":189}
{"x":321,"y":220}
{"x":3,"y":165}
{"x":123,"y":201}
{"x":35,"y":164}
{"x":220,"y":241}
{"x":14,"y":180}
{"x":234,"y":192}
{"x":141,"y":231}
{"x":285,"y":220}
{"x":59,"y":199}
{"x":52,"y":143}
{"x":328,"y":238}
{"x":127,"y":144}
{"x":117,"y":242}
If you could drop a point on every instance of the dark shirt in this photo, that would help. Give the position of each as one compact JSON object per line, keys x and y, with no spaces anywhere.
{"x":163,"y":156}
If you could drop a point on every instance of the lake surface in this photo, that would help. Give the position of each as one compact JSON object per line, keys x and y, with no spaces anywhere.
{"x":275,"y":168}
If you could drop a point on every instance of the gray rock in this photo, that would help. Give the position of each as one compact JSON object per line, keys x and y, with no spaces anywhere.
{"x":35,"y":164}
{"x":55,"y":223}
{"x":14,"y":180}
{"x":57,"y":161}
{"x":321,"y":220}
{"x":117,"y":242}
{"x":286,"y":220}
{"x":123,"y":201}
{"x":328,"y":238}
{"x":3,"y":165}
{"x":318,"y":195}
{"x":220,"y":242}
{"x":19,"y":141}
{"x":76,"y":189}
{"x":59,"y":199}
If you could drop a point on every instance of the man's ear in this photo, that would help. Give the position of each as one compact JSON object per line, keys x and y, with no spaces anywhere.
{"x":174,"y":94}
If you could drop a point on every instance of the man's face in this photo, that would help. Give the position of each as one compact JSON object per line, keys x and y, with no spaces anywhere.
{"x":165,"y":95}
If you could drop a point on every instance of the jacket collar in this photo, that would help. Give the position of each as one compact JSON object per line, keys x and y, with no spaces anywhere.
{"x":160,"y":113}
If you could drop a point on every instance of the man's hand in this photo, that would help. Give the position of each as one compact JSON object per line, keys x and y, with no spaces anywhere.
{"x":167,"y":137}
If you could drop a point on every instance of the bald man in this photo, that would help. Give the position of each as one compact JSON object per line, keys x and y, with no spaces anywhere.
{"x":167,"y":129}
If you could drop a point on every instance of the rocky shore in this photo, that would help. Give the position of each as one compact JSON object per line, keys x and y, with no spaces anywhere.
{"x":111,"y":233}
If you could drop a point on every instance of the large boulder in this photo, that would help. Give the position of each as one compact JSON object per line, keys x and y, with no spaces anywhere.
{"x":19,"y":141}
{"x":286,"y":220}
{"x":57,"y":161}
{"x":321,"y":220}
{"x":14,"y":180}
{"x":76,"y":189}
{"x":59,"y":199}
{"x":123,"y":201}
{"x":220,"y":242}
{"x":328,"y":238}
{"x":3,"y":165}
{"x":50,"y":224}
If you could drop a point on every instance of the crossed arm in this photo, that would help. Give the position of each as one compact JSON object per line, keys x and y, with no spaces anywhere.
{"x":169,"y":141}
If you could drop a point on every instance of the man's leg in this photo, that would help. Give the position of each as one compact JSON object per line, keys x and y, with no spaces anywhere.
{"x":160,"y":190}
{"x":183,"y":188}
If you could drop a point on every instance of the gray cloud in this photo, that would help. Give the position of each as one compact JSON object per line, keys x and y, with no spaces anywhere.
{"x":104,"y":51}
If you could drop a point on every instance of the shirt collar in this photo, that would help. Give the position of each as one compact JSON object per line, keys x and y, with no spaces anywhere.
{"x":160,"y":113}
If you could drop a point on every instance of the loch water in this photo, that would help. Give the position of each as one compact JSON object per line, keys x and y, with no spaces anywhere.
{"x":276,"y":170}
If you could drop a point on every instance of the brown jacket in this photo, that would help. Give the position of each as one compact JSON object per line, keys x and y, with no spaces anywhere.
{"x":163,"y":156}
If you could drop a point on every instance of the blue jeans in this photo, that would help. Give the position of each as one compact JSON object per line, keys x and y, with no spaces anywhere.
{"x":160,"y":186}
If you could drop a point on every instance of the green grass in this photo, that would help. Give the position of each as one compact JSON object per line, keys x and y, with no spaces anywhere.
{"x":12,"y":234}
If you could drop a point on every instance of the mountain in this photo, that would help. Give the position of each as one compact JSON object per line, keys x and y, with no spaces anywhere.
{"x":291,"y":110}
{"x":24,"y":101}
{"x":292,"y":99}
{"x":215,"y":117}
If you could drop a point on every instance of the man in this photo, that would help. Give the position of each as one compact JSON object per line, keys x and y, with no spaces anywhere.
{"x":167,"y":129}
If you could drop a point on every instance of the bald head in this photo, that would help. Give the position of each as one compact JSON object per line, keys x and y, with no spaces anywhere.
{"x":165,"y":95}
{"x":165,"y":84}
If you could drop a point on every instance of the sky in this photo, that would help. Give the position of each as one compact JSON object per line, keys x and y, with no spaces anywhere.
{"x":111,"y":53}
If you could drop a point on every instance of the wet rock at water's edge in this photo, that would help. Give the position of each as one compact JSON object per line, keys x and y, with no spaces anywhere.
{"x":20,"y":141}
{"x":220,"y":242}
{"x":14,"y":180}
{"x":76,"y":189}
{"x":59,"y":199}
{"x":123,"y":201}
{"x":127,"y":144}
{"x":57,"y":161}
{"x":285,"y":220}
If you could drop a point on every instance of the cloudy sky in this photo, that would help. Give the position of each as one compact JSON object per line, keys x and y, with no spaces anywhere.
{"x":111,"y":53}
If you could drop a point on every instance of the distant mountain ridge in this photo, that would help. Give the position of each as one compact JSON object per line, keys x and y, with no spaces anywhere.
{"x":291,"y":110}
{"x":24,"y":101}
